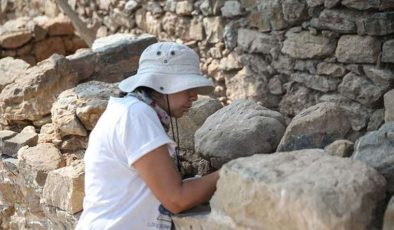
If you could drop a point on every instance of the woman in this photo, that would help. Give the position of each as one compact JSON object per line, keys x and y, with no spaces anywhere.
{"x":131,"y":180}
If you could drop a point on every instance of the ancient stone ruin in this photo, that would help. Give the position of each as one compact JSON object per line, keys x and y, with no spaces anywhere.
{"x":301,"y":122}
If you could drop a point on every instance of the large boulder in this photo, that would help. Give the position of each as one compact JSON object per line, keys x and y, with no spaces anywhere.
{"x":316,"y":127}
{"x":78,"y":109}
{"x":31,"y":96}
{"x":376,"y":149}
{"x":240,"y":129}
{"x":304,"y":189}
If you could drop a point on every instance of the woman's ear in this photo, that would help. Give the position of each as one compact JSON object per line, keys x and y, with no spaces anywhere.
{"x":158,"y":97}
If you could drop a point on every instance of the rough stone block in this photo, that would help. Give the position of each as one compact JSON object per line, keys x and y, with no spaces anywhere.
{"x":12,"y":145}
{"x":388,"y":51}
{"x":389,"y":106}
{"x":358,"y":49}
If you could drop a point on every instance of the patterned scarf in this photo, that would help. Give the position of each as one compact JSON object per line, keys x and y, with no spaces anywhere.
{"x":161,"y":113}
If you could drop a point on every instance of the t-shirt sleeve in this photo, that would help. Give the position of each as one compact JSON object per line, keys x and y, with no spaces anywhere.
{"x":142,"y":133}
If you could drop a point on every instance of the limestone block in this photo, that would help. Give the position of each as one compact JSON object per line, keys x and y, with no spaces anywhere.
{"x":309,"y":128}
{"x":297,"y":190}
{"x":78,"y":109}
{"x":304,"y":45}
{"x":10,"y":70}
{"x":231,"y":9}
{"x":378,"y":24}
{"x":341,"y":21}
{"x":64,"y":188}
{"x":11,"y":146}
{"x":169,"y":22}
{"x":340,"y":148}
{"x":45,"y":48}
{"x":255,"y":42}
{"x":358,"y":49}
{"x":83,"y":63}
{"x":184,"y":7}
{"x":388,"y":51}
{"x":359,"y":88}
{"x":4,"y":135}
{"x":384,"y":78}
{"x":376,"y":149}
{"x":240,"y":129}
{"x":331,"y":69}
{"x":15,"y":33}
{"x":36,"y":162}
{"x":58,"y":26}
{"x":10,"y":193}
{"x":196,"y":31}
{"x":214,"y":27}
{"x":60,"y":219}
{"x":389,"y":106}
{"x":316,"y":82}
{"x":31,"y":96}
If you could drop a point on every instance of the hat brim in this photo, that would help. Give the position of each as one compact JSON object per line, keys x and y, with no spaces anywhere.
{"x":168,"y":84}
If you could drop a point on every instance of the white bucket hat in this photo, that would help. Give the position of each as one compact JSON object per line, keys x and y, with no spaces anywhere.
{"x":168,"y":67}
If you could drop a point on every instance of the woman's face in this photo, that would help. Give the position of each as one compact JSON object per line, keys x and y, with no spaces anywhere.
{"x":179,"y":102}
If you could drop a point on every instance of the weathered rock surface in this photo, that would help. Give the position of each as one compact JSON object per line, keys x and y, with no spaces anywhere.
{"x":388,"y":51}
{"x":240,"y":129}
{"x":194,"y":118}
{"x":389,"y":106}
{"x":341,"y":148}
{"x":331,"y":69}
{"x":78,"y":109}
{"x":317,"y":82}
{"x":31,"y":96}
{"x":359,"y":88}
{"x":305,"y":45}
{"x":273,"y":190}
{"x":64,"y":188}
{"x":15,"y":33}
{"x":255,"y":42}
{"x":11,"y":146}
{"x":376,"y":149}
{"x":377,"y":24}
{"x":341,"y":21}
{"x":60,"y":25}
{"x":358,"y":49}
{"x":388,"y":223}
{"x":316,"y":127}
{"x":8,"y":75}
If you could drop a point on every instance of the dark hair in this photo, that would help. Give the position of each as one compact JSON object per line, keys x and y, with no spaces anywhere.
{"x":147,"y":90}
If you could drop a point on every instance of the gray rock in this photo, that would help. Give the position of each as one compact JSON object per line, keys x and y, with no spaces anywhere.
{"x":255,"y":42}
{"x":170,"y":5}
{"x":240,"y":129}
{"x":11,"y":146}
{"x":309,"y":128}
{"x":296,"y":99}
{"x":305,"y":45}
{"x":209,"y":7}
{"x":358,"y":49}
{"x":384,"y":78}
{"x":331,"y":3}
{"x":131,"y":6}
{"x":231,"y":9}
{"x":361,"y":4}
{"x":389,"y":106}
{"x":60,"y":219}
{"x":231,"y":62}
{"x":194,"y":118}
{"x":317,"y":82}
{"x":15,"y":33}
{"x":341,"y":148}
{"x":378,"y":24}
{"x":333,"y":192}
{"x":376,"y":149}
{"x":294,"y":11}
{"x":360,"y":89}
{"x":331,"y":69}
{"x":388,"y":51}
{"x":4,"y":135}
{"x":341,"y":21}
{"x":376,"y":120}
{"x":284,"y":64}
{"x":358,"y":114}
{"x":314,"y":3}
{"x":306,"y":66}
{"x":275,"y":85}
{"x":214,"y":27}
{"x":270,"y":15}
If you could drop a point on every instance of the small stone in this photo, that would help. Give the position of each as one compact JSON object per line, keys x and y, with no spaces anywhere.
{"x":275,"y":85}
{"x":12,"y":145}
{"x":214,"y":27}
{"x":341,"y":148}
{"x":358,"y":49}
{"x":4,"y":135}
{"x":383,"y":78}
{"x":255,"y":42}
{"x":388,"y":51}
{"x":184,"y":7}
{"x":378,"y":24}
{"x":231,"y":62}
{"x":376,"y":120}
{"x":231,"y":9}
{"x":389,"y":106}
{"x":331,"y":69}
{"x":317,"y":82}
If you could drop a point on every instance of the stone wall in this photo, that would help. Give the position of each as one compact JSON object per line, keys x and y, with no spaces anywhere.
{"x":285,"y":54}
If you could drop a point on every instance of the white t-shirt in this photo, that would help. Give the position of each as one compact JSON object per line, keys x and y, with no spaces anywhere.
{"x":116,"y":197}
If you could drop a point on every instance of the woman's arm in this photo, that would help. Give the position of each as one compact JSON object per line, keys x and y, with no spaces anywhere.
{"x":158,"y":171}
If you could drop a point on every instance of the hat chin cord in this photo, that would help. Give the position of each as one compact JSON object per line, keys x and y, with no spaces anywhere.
{"x":175,"y":138}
